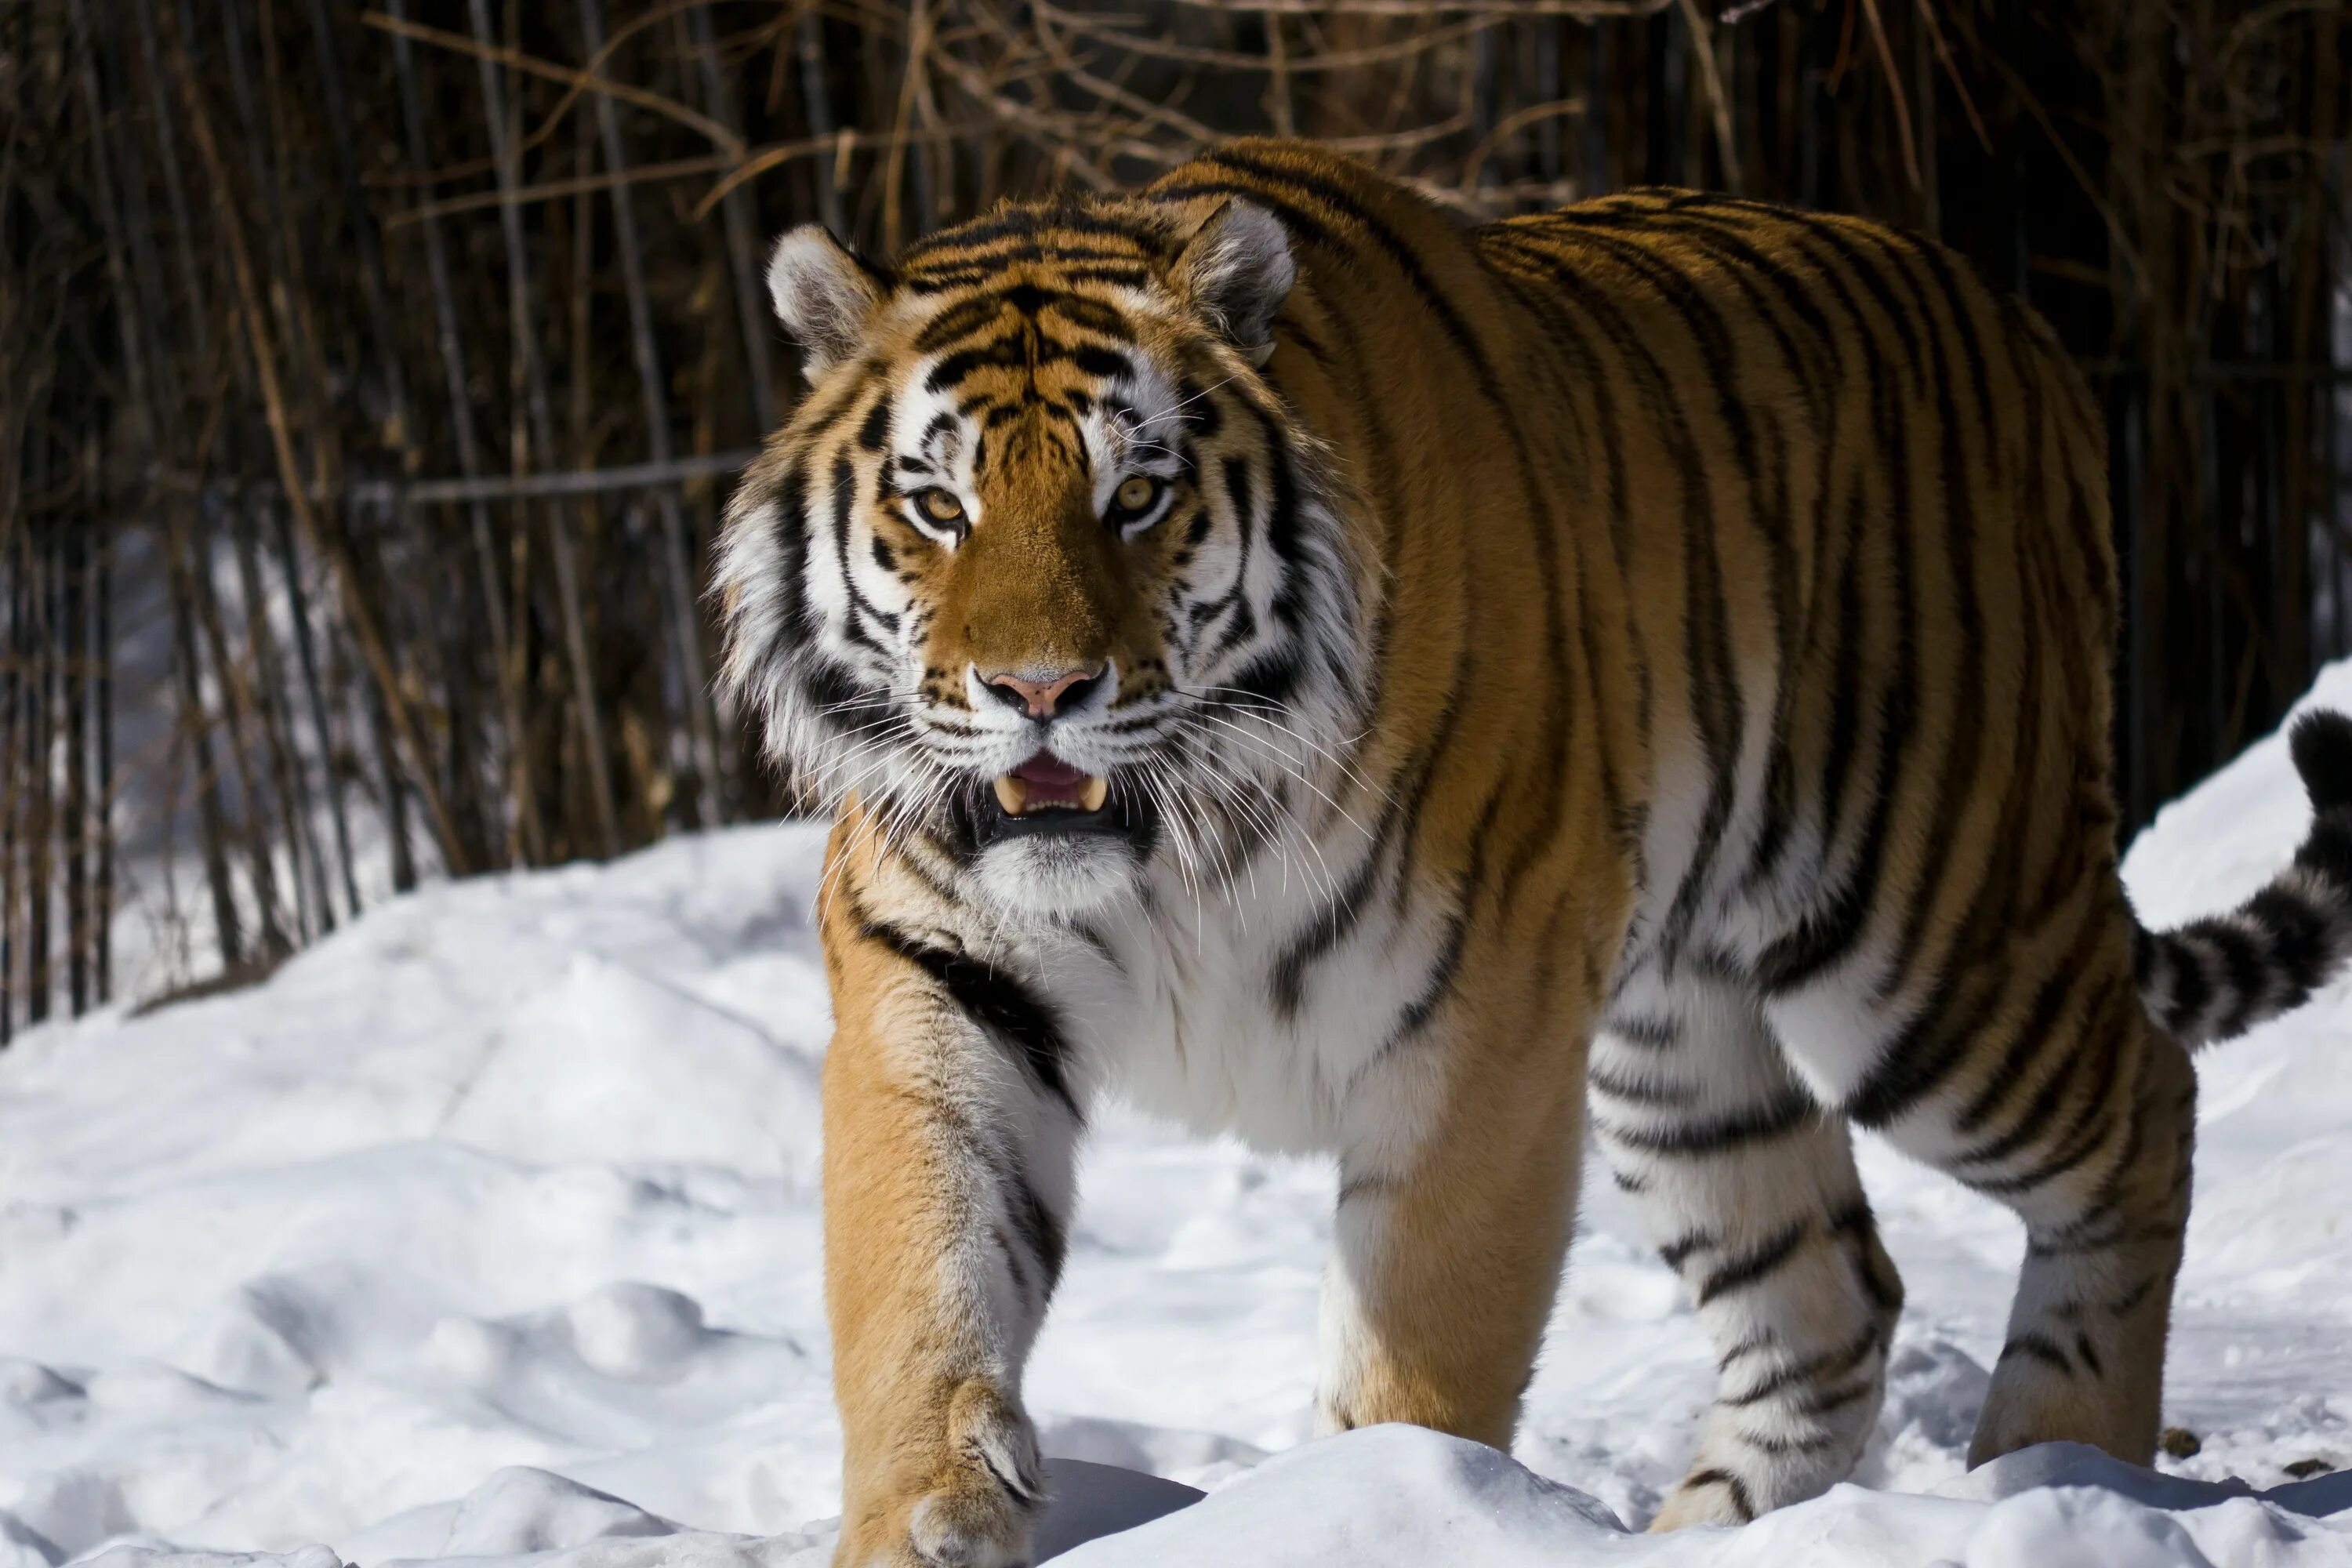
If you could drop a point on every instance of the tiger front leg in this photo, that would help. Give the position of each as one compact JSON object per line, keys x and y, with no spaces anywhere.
{"x":1448,"y":1247}
{"x":948,"y":1156}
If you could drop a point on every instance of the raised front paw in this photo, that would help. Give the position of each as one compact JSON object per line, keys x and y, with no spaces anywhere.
{"x":968,"y":1503}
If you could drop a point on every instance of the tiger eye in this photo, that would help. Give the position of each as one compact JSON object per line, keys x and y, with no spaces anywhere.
{"x":1136,"y":493}
{"x":940,"y":505}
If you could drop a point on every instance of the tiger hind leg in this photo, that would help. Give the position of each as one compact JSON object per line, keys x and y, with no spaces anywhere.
{"x":2090,"y":1143}
{"x":2084,"y":1357}
{"x":1751,"y":1195}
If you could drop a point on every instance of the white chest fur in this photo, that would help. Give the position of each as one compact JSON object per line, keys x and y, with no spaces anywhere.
{"x":1251,"y":1009}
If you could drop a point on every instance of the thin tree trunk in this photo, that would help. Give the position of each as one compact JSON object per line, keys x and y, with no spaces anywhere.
{"x":313,"y":910}
{"x":39,"y":718}
{"x":298,"y":608}
{"x":73,"y":684}
{"x":542,"y":428}
{"x":212,"y":829}
{"x":12,"y":667}
{"x":599,"y":759}
{"x":751,"y":306}
{"x":459,"y":640}
{"x":685,"y":615}
{"x":141,"y":392}
{"x":503,"y":648}
{"x":369,"y":583}
{"x":242,"y":722}
{"x":816,"y":101}
{"x":102,"y":667}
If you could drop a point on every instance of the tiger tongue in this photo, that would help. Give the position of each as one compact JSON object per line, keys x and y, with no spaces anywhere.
{"x":1050,"y":781}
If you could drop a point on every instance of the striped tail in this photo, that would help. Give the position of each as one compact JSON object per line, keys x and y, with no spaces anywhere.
{"x":2216,"y":978}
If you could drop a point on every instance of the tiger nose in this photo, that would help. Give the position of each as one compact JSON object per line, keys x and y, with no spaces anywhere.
{"x":1039,"y":699}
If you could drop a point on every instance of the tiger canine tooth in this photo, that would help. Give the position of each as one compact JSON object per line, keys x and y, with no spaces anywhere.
{"x":1012,"y":794}
{"x":1093,"y":793}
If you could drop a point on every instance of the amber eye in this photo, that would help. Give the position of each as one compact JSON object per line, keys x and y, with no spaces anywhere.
{"x":1136,"y":494}
{"x":940,"y":505}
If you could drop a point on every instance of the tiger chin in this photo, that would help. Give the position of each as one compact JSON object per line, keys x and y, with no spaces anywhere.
{"x":1431,"y":697}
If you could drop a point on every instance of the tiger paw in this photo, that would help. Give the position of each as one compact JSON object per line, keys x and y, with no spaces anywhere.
{"x":972,"y":1507}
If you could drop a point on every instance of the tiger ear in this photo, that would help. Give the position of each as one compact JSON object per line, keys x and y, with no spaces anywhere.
{"x":1237,"y":271}
{"x":823,"y":294}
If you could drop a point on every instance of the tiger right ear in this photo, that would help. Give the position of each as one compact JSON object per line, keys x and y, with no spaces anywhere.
{"x":824,"y":295}
{"x":1237,"y":268}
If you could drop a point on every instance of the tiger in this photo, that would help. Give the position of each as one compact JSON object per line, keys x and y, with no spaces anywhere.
{"x":1425,"y":695}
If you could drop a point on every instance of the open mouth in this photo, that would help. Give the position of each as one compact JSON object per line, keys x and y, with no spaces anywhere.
{"x":1045,"y":783}
{"x":1046,"y":796}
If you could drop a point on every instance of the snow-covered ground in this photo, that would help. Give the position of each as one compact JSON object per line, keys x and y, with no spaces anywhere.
{"x":505,"y":1198}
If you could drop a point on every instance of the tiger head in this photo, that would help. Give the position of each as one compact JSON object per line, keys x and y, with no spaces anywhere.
{"x":1041,"y":566}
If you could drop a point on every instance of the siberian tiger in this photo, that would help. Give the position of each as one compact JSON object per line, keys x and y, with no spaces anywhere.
{"x":1323,"y":672}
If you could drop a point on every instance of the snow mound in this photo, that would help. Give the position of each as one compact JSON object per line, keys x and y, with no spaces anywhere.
{"x":1398,"y":1496}
{"x":487,"y":1230}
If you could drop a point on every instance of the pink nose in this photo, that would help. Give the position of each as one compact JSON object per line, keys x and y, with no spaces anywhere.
{"x":1039,"y":699}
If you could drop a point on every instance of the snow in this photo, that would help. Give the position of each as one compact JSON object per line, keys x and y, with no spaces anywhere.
{"x":488,"y":1229}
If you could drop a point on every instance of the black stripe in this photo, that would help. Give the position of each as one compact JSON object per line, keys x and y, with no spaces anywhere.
{"x":1243,"y":499}
{"x":1673,"y":1253}
{"x":1776,"y":1117}
{"x":1830,"y":931}
{"x":1038,"y":1228}
{"x":2089,"y":1053}
{"x":1950,"y":487}
{"x":1634,"y":1029}
{"x":995,"y":1000}
{"x":1782,"y":1448}
{"x":874,"y":435}
{"x":1406,"y":809}
{"x":1827,"y":936}
{"x":1846,"y":688}
{"x":1709,"y":232}
{"x":1828,"y":1365}
{"x":1593,"y":382}
{"x":1112,"y":272}
{"x":1282,"y":532}
{"x":1015,"y":1264}
{"x":1355,"y":1189}
{"x":1030,"y":223}
{"x":1855,"y":1224}
{"x":2242,"y":961}
{"x":2038,"y":1347}
{"x":844,"y":504}
{"x":1930,"y":1047}
{"x":2192,"y":986}
{"x":1635,"y":1091}
{"x":1439,"y":981}
{"x":792,"y":547}
{"x":2067,"y":1157}
{"x":1754,"y":1266}
{"x":1835,"y":1399}
{"x":2039,"y":1029}
{"x":2295,"y":928}
{"x":1731,"y":1483}
{"x":1287,"y":980}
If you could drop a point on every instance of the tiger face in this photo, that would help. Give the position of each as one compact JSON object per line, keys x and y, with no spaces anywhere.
{"x":1041,"y":568}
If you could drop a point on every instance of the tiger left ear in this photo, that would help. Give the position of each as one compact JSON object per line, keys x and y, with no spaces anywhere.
{"x":824,"y":293}
{"x":1237,"y":271}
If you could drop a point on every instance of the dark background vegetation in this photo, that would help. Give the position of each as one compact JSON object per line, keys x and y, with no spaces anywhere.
{"x":374,"y":370}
